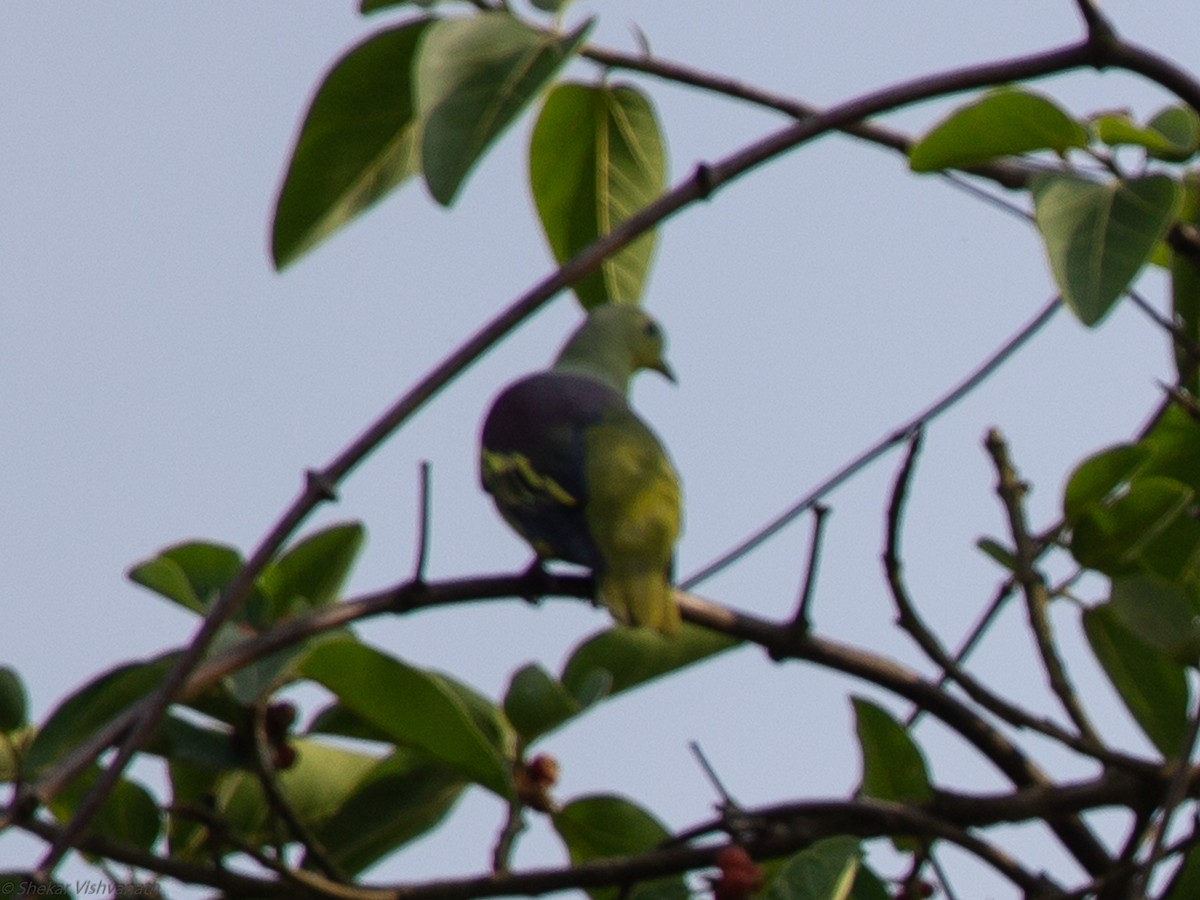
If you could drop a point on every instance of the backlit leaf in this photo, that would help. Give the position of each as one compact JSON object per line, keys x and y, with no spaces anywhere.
{"x":1099,"y":235}
{"x":623,"y":658}
{"x":475,"y":75}
{"x":596,"y":158}
{"x":359,"y":140}
{"x":1153,"y":686}
{"x":1003,"y":123}
{"x":414,"y":708}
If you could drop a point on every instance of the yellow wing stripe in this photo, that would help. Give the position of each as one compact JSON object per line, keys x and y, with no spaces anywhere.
{"x":514,"y":481}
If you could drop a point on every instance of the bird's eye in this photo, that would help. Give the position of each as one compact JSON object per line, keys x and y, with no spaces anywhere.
{"x":650,"y":328}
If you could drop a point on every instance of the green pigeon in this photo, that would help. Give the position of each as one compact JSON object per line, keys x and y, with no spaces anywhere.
{"x":579,"y":476}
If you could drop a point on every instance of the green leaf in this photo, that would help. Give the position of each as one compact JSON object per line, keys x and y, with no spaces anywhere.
{"x":1185,"y":882}
{"x":474,"y":76}
{"x":191,"y":574}
{"x":605,"y":826}
{"x":1134,"y":507}
{"x":209,"y":749}
{"x":12,"y":753}
{"x":191,"y":785}
{"x":337,"y":719}
{"x":1098,"y":478}
{"x":414,"y":708}
{"x":827,"y":870}
{"x":893,"y":767}
{"x":1146,"y":526}
{"x":1119,"y":130}
{"x":14,"y":703}
{"x":129,"y":814}
{"x":259,"y":679}
{"x":537,"y":703}
{"x":1180,"y":127}
{"x":1172,"y":134}
{"x":1185,"y":289}
{"x":401,"y":798}
{"x":484,"y":713}
{"x":596,"y":158}
{"x":313,"y":571}
{"x":626,"y":657}
{"x":1153,"y":687}
{"x":1099,"y":235}
{"x":1003,"y":123}
{"x":91,"y":707}
{"x":998,"y":552}
{"x":1160,"y":613}
{"x":358,"y":142}
{"x":1174,"y":445}
{"x":315,"y":787}
{"x":868,"y":886}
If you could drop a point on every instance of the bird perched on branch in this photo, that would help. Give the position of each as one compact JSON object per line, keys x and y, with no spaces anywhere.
{"x":579,"y":476}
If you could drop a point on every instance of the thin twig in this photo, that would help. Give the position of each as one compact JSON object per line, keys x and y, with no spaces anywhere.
{"x":1011,"y":491}
{"x":506,"y":842}
{"x":423,"y":504}
{"x":1009,"y":174}
{"x":728,"y":804}
{"x":875,"y":451}
{"x":971,"y":641}
{"x":802,"y":621}
{"x":1099,"y":28}
{"x":908,"y":619}
{"x":943,"y":877}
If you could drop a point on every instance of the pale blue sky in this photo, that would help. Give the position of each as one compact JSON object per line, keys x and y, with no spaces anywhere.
{"x":161,"y":383}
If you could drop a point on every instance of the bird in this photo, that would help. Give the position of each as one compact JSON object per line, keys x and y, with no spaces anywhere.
{"x":581,"y":477}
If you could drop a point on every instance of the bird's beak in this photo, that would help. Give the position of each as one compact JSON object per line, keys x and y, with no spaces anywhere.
{"x":666,"y":371}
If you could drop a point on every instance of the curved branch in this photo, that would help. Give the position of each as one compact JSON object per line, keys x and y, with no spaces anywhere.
{"x":910,"y":621}
{"x":778,"y":638}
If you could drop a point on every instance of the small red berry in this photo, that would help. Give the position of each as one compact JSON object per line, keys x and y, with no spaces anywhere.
{"x":740,"y":877}
{"x":543,"y":770}
{"x":534,"y":780}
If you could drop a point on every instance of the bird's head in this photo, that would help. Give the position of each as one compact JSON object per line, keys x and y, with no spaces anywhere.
{"x":615,"y":341}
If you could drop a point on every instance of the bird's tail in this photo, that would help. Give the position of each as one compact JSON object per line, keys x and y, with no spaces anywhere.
{"x":641,"y":598}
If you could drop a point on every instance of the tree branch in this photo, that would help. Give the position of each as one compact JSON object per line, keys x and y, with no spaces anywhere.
{"x":1037,"y":598}
{"x":908,"y":619}
{"x":802,"y":620}
{"x":781,"y":644}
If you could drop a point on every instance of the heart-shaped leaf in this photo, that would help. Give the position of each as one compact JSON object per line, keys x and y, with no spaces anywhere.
{"x":1099,"y":235}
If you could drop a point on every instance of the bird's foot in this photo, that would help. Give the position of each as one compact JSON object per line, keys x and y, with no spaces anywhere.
{"x":535,"y":578}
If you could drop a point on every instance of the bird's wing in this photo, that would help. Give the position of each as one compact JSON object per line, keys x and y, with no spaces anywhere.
{"x":533,"y":460}
{"x":635,"y":501}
